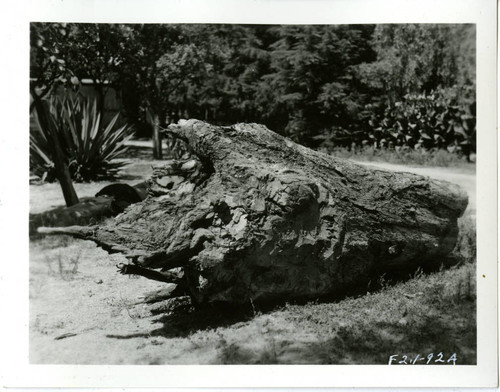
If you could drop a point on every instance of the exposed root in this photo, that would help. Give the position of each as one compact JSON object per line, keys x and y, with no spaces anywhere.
{"x":167,"y":292}
{"x":133,"y":269}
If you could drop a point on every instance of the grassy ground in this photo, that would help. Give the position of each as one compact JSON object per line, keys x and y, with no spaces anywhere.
{"x":83,"y":312}
{"x":409,"y":157}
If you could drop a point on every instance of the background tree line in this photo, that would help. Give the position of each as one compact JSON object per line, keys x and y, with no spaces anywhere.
{"x":386,"y":86}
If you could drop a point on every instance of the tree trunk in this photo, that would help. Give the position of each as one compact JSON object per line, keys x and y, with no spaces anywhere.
{"x":100,"y":98}
{"x":157,"y":142}
{"x":61,"y":167}
{"x":256,"y":217}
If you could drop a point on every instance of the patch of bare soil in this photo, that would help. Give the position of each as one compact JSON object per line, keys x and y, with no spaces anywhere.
{"x":83,"y":312}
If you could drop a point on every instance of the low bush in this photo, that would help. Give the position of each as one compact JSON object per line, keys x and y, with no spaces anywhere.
{"x":90,"y":147}
{"x":418,"y":124}
{"x":426,"y":121}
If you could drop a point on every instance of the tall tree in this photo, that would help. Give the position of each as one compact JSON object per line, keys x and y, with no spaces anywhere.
{"x":48,"y":69}
{"x":309,"y":72}
{"x":48,"y":59}
{"x":415,"y":58}
{"x":98,"y":52}
{"x":142,"y":95}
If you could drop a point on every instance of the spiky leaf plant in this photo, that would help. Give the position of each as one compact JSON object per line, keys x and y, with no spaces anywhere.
{"x":91,"y":148}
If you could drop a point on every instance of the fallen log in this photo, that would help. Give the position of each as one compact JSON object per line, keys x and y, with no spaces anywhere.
{"x":108,"y":202}
{"x":88,"y":211}
{"x":255,"y":217}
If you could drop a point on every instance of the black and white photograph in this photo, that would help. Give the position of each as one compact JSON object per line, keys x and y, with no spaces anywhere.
{"x":266,"y":193}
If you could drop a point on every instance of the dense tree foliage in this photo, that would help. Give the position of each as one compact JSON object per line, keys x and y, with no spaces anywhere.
{"x":48,"y":54}
{"x":384,"y":85}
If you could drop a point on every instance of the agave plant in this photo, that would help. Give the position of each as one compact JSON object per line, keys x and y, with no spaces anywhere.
{"x":91,"y":148}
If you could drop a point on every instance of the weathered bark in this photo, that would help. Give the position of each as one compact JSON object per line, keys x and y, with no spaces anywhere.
{"x":257,"y":217}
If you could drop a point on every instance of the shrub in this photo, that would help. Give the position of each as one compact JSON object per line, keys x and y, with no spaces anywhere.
{"x":426,"y":121}
{"x":89,"y":146}
{"x":440,"y":120}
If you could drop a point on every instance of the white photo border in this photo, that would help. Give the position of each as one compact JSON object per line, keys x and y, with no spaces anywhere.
{"x":15,"y":368}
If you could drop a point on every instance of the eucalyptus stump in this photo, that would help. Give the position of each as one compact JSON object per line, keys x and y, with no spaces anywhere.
{"x":256,"y":217}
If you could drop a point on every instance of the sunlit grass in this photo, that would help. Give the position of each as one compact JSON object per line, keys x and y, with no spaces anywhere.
{"x":435,"y":158}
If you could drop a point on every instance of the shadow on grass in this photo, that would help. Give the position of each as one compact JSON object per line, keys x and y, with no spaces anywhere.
{"x":363,"y":344}
{"x":368,"y":343}
{"x":184,"y":322}
{"x":374,"y":344}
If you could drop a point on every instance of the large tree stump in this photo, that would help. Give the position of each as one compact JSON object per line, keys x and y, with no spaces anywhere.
{"x":256,"y":217}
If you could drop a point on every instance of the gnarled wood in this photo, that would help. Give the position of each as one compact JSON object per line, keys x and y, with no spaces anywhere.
{"x":255,"y":216}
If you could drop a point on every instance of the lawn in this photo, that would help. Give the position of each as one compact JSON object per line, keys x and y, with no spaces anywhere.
{"x":83,"y":312}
